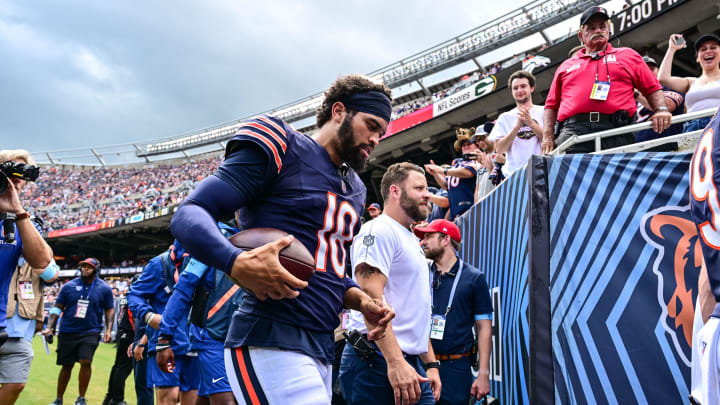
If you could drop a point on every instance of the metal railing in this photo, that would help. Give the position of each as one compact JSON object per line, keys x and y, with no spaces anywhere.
{"x":597,"y":137}
{"x":511,"y":27}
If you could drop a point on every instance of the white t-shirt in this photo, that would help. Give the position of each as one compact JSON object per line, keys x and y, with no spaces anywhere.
{"x":706,"y":364}
{"x":385,"y":244}
{"x":526,"y":143}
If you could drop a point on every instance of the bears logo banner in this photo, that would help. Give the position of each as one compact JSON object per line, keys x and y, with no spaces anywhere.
{"x":593,"y":263}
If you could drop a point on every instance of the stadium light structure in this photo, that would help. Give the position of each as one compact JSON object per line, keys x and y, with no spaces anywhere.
{"x":513,"y":26}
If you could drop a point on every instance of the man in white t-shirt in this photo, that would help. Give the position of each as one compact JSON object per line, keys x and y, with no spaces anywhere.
{"x":389,"y":264}
{"x":518,"y":132}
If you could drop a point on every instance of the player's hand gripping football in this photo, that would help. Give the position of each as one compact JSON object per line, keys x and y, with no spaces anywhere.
{"x":259,"y":270}
{"x":377,"y":317}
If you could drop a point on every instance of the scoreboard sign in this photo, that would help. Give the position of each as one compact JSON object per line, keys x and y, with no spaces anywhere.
{"x":641,"y":12}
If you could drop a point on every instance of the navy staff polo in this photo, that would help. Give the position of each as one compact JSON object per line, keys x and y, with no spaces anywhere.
{"x":470,"y":303}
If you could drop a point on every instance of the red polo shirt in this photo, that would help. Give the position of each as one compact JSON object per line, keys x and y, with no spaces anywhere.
{"x":574,"y":79}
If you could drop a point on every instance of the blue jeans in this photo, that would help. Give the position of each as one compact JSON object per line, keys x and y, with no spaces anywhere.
{"x":697,"y":124}
{"x":366,"y":382}
{"x":456,"y":377}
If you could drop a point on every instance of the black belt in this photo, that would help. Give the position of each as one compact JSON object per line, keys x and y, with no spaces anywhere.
{"x":14,"y":339}
{"x":589,"y":117}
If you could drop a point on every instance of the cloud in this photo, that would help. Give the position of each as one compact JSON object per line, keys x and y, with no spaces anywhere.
{"x":82,"y":73}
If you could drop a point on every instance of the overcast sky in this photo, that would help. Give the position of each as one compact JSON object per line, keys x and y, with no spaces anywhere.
{"x":80,"y":73}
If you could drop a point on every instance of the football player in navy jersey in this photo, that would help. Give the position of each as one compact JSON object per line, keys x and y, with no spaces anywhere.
{"x":280,"y":345}
{"x":705,"y":210}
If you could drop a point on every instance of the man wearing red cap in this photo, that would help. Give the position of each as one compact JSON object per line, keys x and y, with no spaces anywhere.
{"x":460,"y":298}
{"x":374,"y":210}
{"x":81,"y":302}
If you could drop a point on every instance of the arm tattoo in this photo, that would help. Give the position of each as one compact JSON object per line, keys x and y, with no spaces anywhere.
{"x":366,"y":271}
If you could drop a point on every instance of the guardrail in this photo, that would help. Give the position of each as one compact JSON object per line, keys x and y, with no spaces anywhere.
{"x":635,"y":147}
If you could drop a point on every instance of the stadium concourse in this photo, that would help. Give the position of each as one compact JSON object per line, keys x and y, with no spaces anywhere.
{"x":121,"y":212}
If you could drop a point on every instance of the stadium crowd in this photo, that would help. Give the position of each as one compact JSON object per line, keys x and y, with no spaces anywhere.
{"x":71,"y":197}
{"x":163,"y":295}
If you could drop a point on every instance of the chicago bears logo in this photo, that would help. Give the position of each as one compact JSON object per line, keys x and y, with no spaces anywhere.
{"x":677,"y":265}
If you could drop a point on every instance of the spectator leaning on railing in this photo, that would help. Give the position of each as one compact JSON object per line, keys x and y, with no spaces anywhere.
{"x":700,"y":92}
{"x":675,"y":102}
{"x":594,"y":91}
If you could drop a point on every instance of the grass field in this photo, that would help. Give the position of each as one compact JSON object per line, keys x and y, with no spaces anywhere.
{"x":41,"y":386}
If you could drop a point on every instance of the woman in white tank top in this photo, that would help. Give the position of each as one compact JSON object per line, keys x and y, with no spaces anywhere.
{"x":700,"y":92}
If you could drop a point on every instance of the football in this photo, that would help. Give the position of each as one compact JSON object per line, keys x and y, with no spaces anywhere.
{"x":295,"y":257}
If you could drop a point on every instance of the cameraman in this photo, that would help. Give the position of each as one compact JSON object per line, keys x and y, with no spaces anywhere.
{"x":27,"y":243}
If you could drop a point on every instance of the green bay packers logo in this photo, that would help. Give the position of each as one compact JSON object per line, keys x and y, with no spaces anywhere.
{"x":485,"y":86}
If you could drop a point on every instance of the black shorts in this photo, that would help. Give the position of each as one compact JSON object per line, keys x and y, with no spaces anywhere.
{"x":73,"y":347}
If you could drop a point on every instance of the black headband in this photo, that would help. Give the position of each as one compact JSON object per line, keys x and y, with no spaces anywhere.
{"x":371,"y":102}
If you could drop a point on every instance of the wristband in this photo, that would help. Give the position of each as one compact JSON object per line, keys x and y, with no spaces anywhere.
{"x":22,"y":216}
{"x":432,"y":364}
{"x":148,"y":317}
{"x":141,"y":345}
{"x":50,"y":272}
{"x":445,"y":171}
{"x":159,"y":348}
{"x":663,"y":108}
{"x":55,"y":311}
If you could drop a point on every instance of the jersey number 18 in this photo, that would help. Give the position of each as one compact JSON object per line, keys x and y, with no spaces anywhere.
{"x":337,"y":230}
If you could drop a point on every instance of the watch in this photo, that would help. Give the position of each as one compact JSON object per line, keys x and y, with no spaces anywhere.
{"x":432,"y":364}
{"x":24,"y":215}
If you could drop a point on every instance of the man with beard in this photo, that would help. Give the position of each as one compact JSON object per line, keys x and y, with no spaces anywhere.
{"x":517,"y":132}
{"x":389,"y":264}
{"x":81,"y":302}
{"x":594,"y":90}
{"x":460,"y":299}
{"x":280,"y":343}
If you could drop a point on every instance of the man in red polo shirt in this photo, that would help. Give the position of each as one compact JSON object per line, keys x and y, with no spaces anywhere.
{"x":594,"y":90}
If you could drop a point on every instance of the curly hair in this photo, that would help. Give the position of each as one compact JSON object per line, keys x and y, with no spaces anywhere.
{"x":345,"y":86}
{"x":521,"y":74}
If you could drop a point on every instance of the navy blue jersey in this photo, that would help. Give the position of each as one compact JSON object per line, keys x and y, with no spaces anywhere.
{"x":461,"y":192}
{"x":644,"y":114}
{"x":306,"y":196}
{"x":280,"y":179}
{"x":100,"y":296}
{"x":704,"y":199}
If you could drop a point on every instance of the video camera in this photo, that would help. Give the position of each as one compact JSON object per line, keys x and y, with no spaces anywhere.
{"x":16,"y":170}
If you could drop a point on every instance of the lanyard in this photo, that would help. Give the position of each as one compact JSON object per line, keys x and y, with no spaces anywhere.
{"x":597,"y":67}
{"x":89,"y":290}
{"x":452,"y":290}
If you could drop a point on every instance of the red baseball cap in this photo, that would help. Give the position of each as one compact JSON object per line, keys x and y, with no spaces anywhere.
{"x":442,"y":226}
{"x":95,"y":263}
